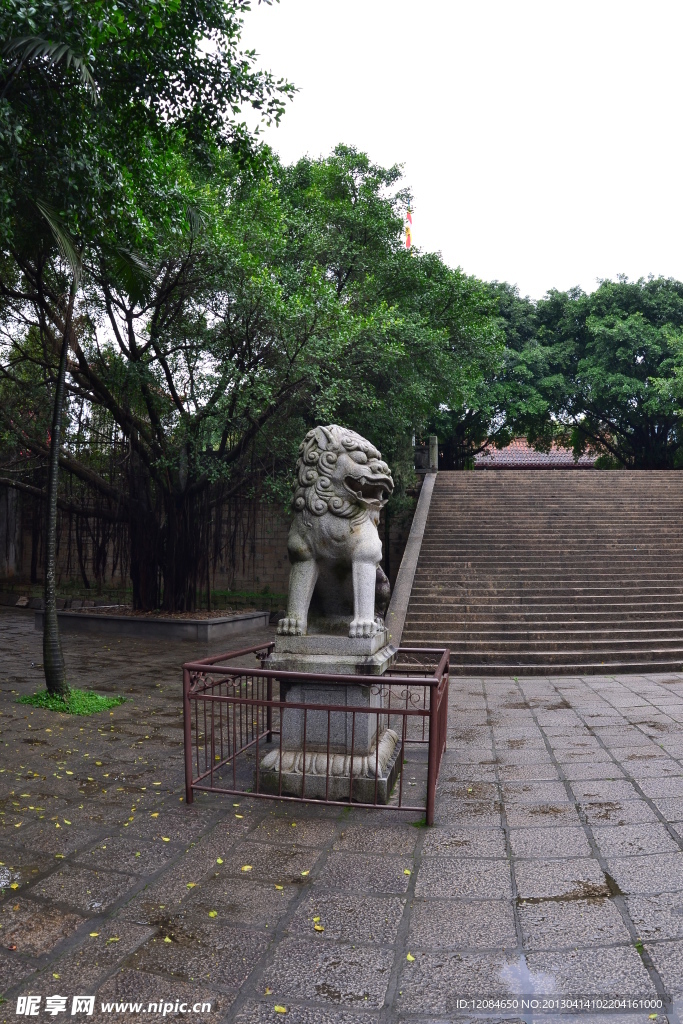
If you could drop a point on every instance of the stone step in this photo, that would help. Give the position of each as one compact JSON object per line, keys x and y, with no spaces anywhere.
{"x":552,"y":571}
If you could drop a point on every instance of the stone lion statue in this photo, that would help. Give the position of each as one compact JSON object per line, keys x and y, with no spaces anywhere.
{"x":334,"y":547}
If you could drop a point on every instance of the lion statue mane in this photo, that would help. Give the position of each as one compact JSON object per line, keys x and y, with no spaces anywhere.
{"x":334,"y":546}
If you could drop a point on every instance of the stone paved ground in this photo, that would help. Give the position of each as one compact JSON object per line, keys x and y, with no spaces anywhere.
{"x":555,"y":866}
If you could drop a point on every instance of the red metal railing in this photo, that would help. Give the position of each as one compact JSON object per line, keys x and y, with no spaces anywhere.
{"x":233,"y":716}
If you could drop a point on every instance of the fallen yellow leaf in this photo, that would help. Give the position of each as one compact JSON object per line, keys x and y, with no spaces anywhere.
{"x":66,"y":821}
{"x":219,"y":860}
{"x":246,"y":867}
{"x":166,"y":939}
{"x":410,"y":957}
{"x":318,"y":927}
{"x":279,"y":886}
{"x":166,"y":839}
{"x":213,"y":913}
{"x":14,"y":885}
{"x":315,"y":919}
{"x":114,"y":938}
{"x":305,"y":872}
{"x":156,"y":783}
{"x":93,"y":935}
{"x":280,"y":1009}
{"x":69,"y":773}
{"x":239,"y":815}
{"x":191,"y":885}
{"x":99,"y":763}
{"x":406,"y":871}
{"x":155,"y":815}
{"x":268,"y":991}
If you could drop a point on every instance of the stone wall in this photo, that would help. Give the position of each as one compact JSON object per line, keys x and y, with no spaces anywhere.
{"x":252,"y":556}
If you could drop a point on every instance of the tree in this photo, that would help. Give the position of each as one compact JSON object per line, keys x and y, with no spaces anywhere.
{"x":604,"y":368}
{"x":292,"y":301}
{"x":85,"y":88}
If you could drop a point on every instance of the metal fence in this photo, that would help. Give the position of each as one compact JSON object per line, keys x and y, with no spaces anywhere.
{"x":234,"y":715}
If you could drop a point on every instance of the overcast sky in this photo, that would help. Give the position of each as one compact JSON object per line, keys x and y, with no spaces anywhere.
{"x":541,"y":138}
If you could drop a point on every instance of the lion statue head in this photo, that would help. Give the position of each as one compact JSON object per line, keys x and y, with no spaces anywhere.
{"x":338,"y":471}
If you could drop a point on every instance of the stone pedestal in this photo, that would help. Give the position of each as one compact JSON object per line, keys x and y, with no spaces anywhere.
{"x":374,"y":747}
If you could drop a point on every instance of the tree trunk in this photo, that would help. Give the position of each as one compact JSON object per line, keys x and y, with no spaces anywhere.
{"x":53,"y":658}
{"x":186,"y":548}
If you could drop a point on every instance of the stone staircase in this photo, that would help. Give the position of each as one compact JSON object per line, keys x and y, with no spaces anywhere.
{"x":552,"y":572}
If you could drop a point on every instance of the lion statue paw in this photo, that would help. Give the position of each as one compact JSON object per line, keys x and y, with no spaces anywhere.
{"x":364,"y":627}
{"x":290,"y":627}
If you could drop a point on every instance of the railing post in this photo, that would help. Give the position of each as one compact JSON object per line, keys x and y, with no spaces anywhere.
{"x":187,"y":727}
{"x":434,"y":737}
{"x":433,"y":453}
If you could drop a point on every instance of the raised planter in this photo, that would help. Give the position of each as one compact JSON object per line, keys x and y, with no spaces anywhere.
{"x":204,"y":630}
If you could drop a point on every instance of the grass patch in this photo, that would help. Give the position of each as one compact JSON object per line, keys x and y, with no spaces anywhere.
{"x":78,"y":702}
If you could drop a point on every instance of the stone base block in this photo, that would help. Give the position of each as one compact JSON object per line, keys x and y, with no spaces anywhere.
{"x":330,"y":644}
{"x":315,"y":783}
{"x":333,"y":664}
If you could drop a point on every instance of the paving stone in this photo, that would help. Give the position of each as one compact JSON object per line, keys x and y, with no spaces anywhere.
{"x":455,"y":811}
{"x":600,"y":791}
{"x":13,"y":970}
{"x":365,"y":873}
{"x":149,"y":989}
{"x":89,"y":891}
{"x":350,"y":917}
{"x":295,"y":830}
{"x":119,"y":853}
{"x":478,"y":879}
{"x":263,"y":1013}
{"x":648,"y":874}
{"x":625,"y":840}
{"x":280,"y":864}
{"x":568,"y":924}
{"x":464,"y":842}
{"x":434,"y":982}
{"x":35,"y":929}
{"x":546,"y":842}
{"x":80,"y":970}
{"x":667,"y":958}
{"x":461,"y":924}
{"x":579,"y":878}
{"x":606,"y":972}
{"x":529,"y":773}
{"x":657,"y":917}
{"x":671,"y":807}
{"x":367,"y":838}
{"x":590,"y":771}
{"x":326,"y":973}
{"x":241,"y":900}
{"x":207,"y":952}
{"x":485,"y":792}
{"x":614,"y":812}
{"x":19,"y":867}
{"x":48,"y":839}
{"x":534,"y":793}
{"x":561,"y":815}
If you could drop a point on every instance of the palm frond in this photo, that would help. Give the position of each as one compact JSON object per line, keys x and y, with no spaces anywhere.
{"x":32,"y":47}
{"x":65,"y":242}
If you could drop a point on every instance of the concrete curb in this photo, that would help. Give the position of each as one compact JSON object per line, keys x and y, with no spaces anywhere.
{"x":203,"y":630}
{"x":398,"y":607}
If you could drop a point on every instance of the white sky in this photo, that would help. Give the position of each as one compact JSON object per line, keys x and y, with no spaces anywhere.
{"x":542,"y":139}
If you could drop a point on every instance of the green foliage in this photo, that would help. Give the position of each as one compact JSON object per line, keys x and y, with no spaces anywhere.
{"x":76,"y":702}
{"x":601,"y":372}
